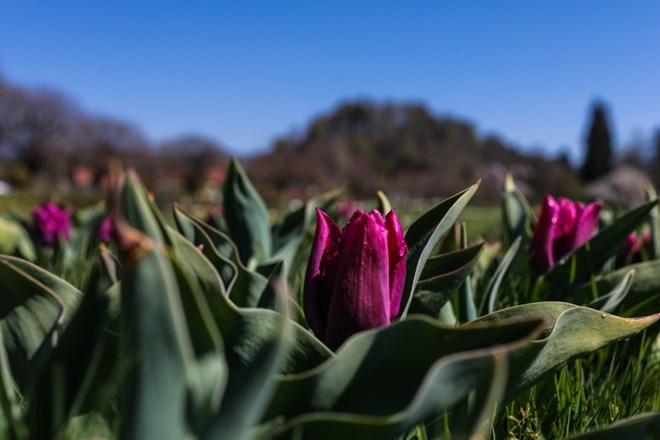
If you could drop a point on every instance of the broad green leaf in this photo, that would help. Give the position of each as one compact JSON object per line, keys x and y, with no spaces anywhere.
{"x":11,"y":423}
{"x":645,"y":426}
{"x":14,"y":240}
{"x":356,"y":380}
{"x":244,"y":329}
{"x":571,"y":331}
{"x":205,"y":369}
{"x":642,"y":298}
{"x":207,"y":376}
{"x":366,"y":391}
{"x":609,"y":302}
{"x":248,"y":394}
{"x":587,"y":260}
{"x":155,"y":345}
{"x":194,"y":233}
{"x":517,"y":215}
{"x":441,"y":276}
{"x":135,"y":208}
{"x":246,"y":287}
{"x":31,"y":317}
{"x":446,"y":385}
{"x":246,"y":215}
{"x":81,"y":373}
{"x":424,"y":233}
{"x":68,"y":294}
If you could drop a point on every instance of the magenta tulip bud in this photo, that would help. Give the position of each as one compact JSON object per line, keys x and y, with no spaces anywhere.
{"x":52,"y":223}
{"x":355,"y":276}
{"x":106,"y":230}
{"x":633,"y":248}
{"x":562,"y":227}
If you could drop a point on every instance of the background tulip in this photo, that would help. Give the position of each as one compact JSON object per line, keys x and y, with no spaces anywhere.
{"x":355,"y":276}
{"x":106,"y":229}
{"x":562,"y":227}
{"x":51,"y":222}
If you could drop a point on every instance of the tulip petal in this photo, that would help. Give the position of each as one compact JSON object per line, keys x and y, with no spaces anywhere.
{"x":397,"y":247}
{"x":542,"y":244}
{"x":586,"y":225}
{"x":566,"y":221}
{"x":316,"y":293}
{"x":361,"y":293}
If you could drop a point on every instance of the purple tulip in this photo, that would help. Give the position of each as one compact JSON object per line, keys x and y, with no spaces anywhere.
{"x":52,"y":223}
{"x":562,"y":227}
{"x":106,"y":229}
{"x":355,"y":275}
{"x":634,"y":249}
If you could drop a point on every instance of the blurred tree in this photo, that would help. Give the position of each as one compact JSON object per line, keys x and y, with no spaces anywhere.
{"x":598,"y":159}
{"x":192,"y":157}
{"x":35,"y":129}
{"x":98,"y":140}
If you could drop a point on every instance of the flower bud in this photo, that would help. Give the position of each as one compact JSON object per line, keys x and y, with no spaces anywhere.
{"x":355,"y":276}
{"x":562,"y":227}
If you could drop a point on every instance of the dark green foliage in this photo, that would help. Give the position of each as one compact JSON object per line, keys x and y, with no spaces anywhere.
{"x":599,"y":158}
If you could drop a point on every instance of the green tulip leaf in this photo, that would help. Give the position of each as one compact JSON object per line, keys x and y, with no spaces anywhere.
{"x":643,"y":296}
{"x":571,"y":331}
{"x":289,"y":231}
{"x":517,"y":216}
{"x":11,"y":423}
{"x":441,"y":276}
{"x":246,"y":288}
{"x":248,"y":394}
{"x":368,"y":378}
{"x":246,"y":215}
{"x":33,"y":311}
{"x":383,"y":203}
{"x":644,"y":426}
{"x":135,"y":208}
{"x":424,"y":233}
{"x":446,"y":384}
{"x":14,"y":240}
{"x":194,"y":233}
{"x":82,"y":370}
{"x":156,"y":346}
{"x":496,"y":281}
{"x":609,"y":302}
{"x":467,"y":309}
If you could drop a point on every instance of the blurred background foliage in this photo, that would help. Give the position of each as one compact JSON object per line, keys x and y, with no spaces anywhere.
{"x":48,"y":145}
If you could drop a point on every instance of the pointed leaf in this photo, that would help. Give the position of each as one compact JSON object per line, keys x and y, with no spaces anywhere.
{"x":423,"y":235}
{"x":643,"y":297}
{"x":517,"y":215}
{"x":246,"y":215}
{"x":571,"y":332}
{"x":644,"y":426}
{"x":496,"y":281}
{"x":353,"y":381}
{"x":441,"y":276}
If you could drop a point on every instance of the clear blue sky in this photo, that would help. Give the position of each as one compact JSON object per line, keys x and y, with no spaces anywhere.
{"x":244,"y":72}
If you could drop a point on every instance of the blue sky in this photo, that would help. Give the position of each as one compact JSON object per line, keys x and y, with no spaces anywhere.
{"x":246,"y":72}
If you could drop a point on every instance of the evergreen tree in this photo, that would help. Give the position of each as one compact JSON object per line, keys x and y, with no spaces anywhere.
{"x":598,"y":160}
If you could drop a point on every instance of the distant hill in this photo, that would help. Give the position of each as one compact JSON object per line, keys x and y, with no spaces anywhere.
{"x":404,"y":150}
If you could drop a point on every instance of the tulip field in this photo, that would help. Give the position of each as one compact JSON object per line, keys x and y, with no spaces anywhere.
{"x":125,"y":321}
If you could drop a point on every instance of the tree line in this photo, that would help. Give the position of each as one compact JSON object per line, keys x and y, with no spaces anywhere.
{"x":47,"y":140}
